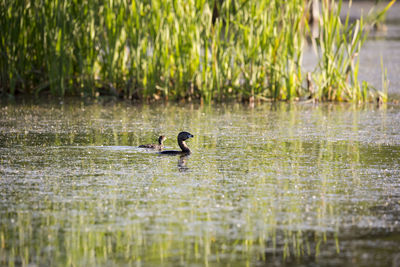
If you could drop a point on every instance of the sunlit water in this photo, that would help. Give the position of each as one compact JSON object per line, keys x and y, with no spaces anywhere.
{"x":297,"y":184}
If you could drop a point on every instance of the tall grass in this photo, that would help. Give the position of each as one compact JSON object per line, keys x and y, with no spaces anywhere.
{"x":171,"y":49}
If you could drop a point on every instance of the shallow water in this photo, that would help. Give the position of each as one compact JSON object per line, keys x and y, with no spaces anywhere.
{"x":277,"y":183}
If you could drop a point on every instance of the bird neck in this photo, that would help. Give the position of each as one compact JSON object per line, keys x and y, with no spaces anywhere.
{"x":183,"y":146}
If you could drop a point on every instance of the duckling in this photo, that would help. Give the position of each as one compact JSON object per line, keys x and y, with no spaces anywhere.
{"x":159,"y":146}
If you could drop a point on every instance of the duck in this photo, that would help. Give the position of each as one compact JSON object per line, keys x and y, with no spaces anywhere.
{"x":159,"y":146}
{"x":182,"y":137}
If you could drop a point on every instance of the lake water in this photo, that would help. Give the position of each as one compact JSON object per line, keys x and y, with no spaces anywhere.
{"x":296,"y":184}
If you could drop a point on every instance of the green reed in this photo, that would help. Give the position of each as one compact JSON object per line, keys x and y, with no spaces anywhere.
{"x":173,"y":49}
{"x":339,"y":46}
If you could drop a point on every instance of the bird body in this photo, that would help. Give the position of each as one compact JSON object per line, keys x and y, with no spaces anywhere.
{"x":182,"y":137}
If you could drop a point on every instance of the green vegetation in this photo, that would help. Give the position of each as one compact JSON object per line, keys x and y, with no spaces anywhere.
{"x":174,"y":49}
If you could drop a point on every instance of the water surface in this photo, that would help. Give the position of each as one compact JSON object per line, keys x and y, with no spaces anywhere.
{"x":277,"y":183}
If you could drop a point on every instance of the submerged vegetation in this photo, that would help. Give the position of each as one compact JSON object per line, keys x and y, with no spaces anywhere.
{"x":192,"y":49}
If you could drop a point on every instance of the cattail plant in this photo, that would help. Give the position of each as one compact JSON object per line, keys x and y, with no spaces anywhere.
{"x":165,"y":49}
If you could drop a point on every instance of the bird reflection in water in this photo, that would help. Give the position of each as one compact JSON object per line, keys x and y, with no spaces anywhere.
{"x":182,"y":163}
